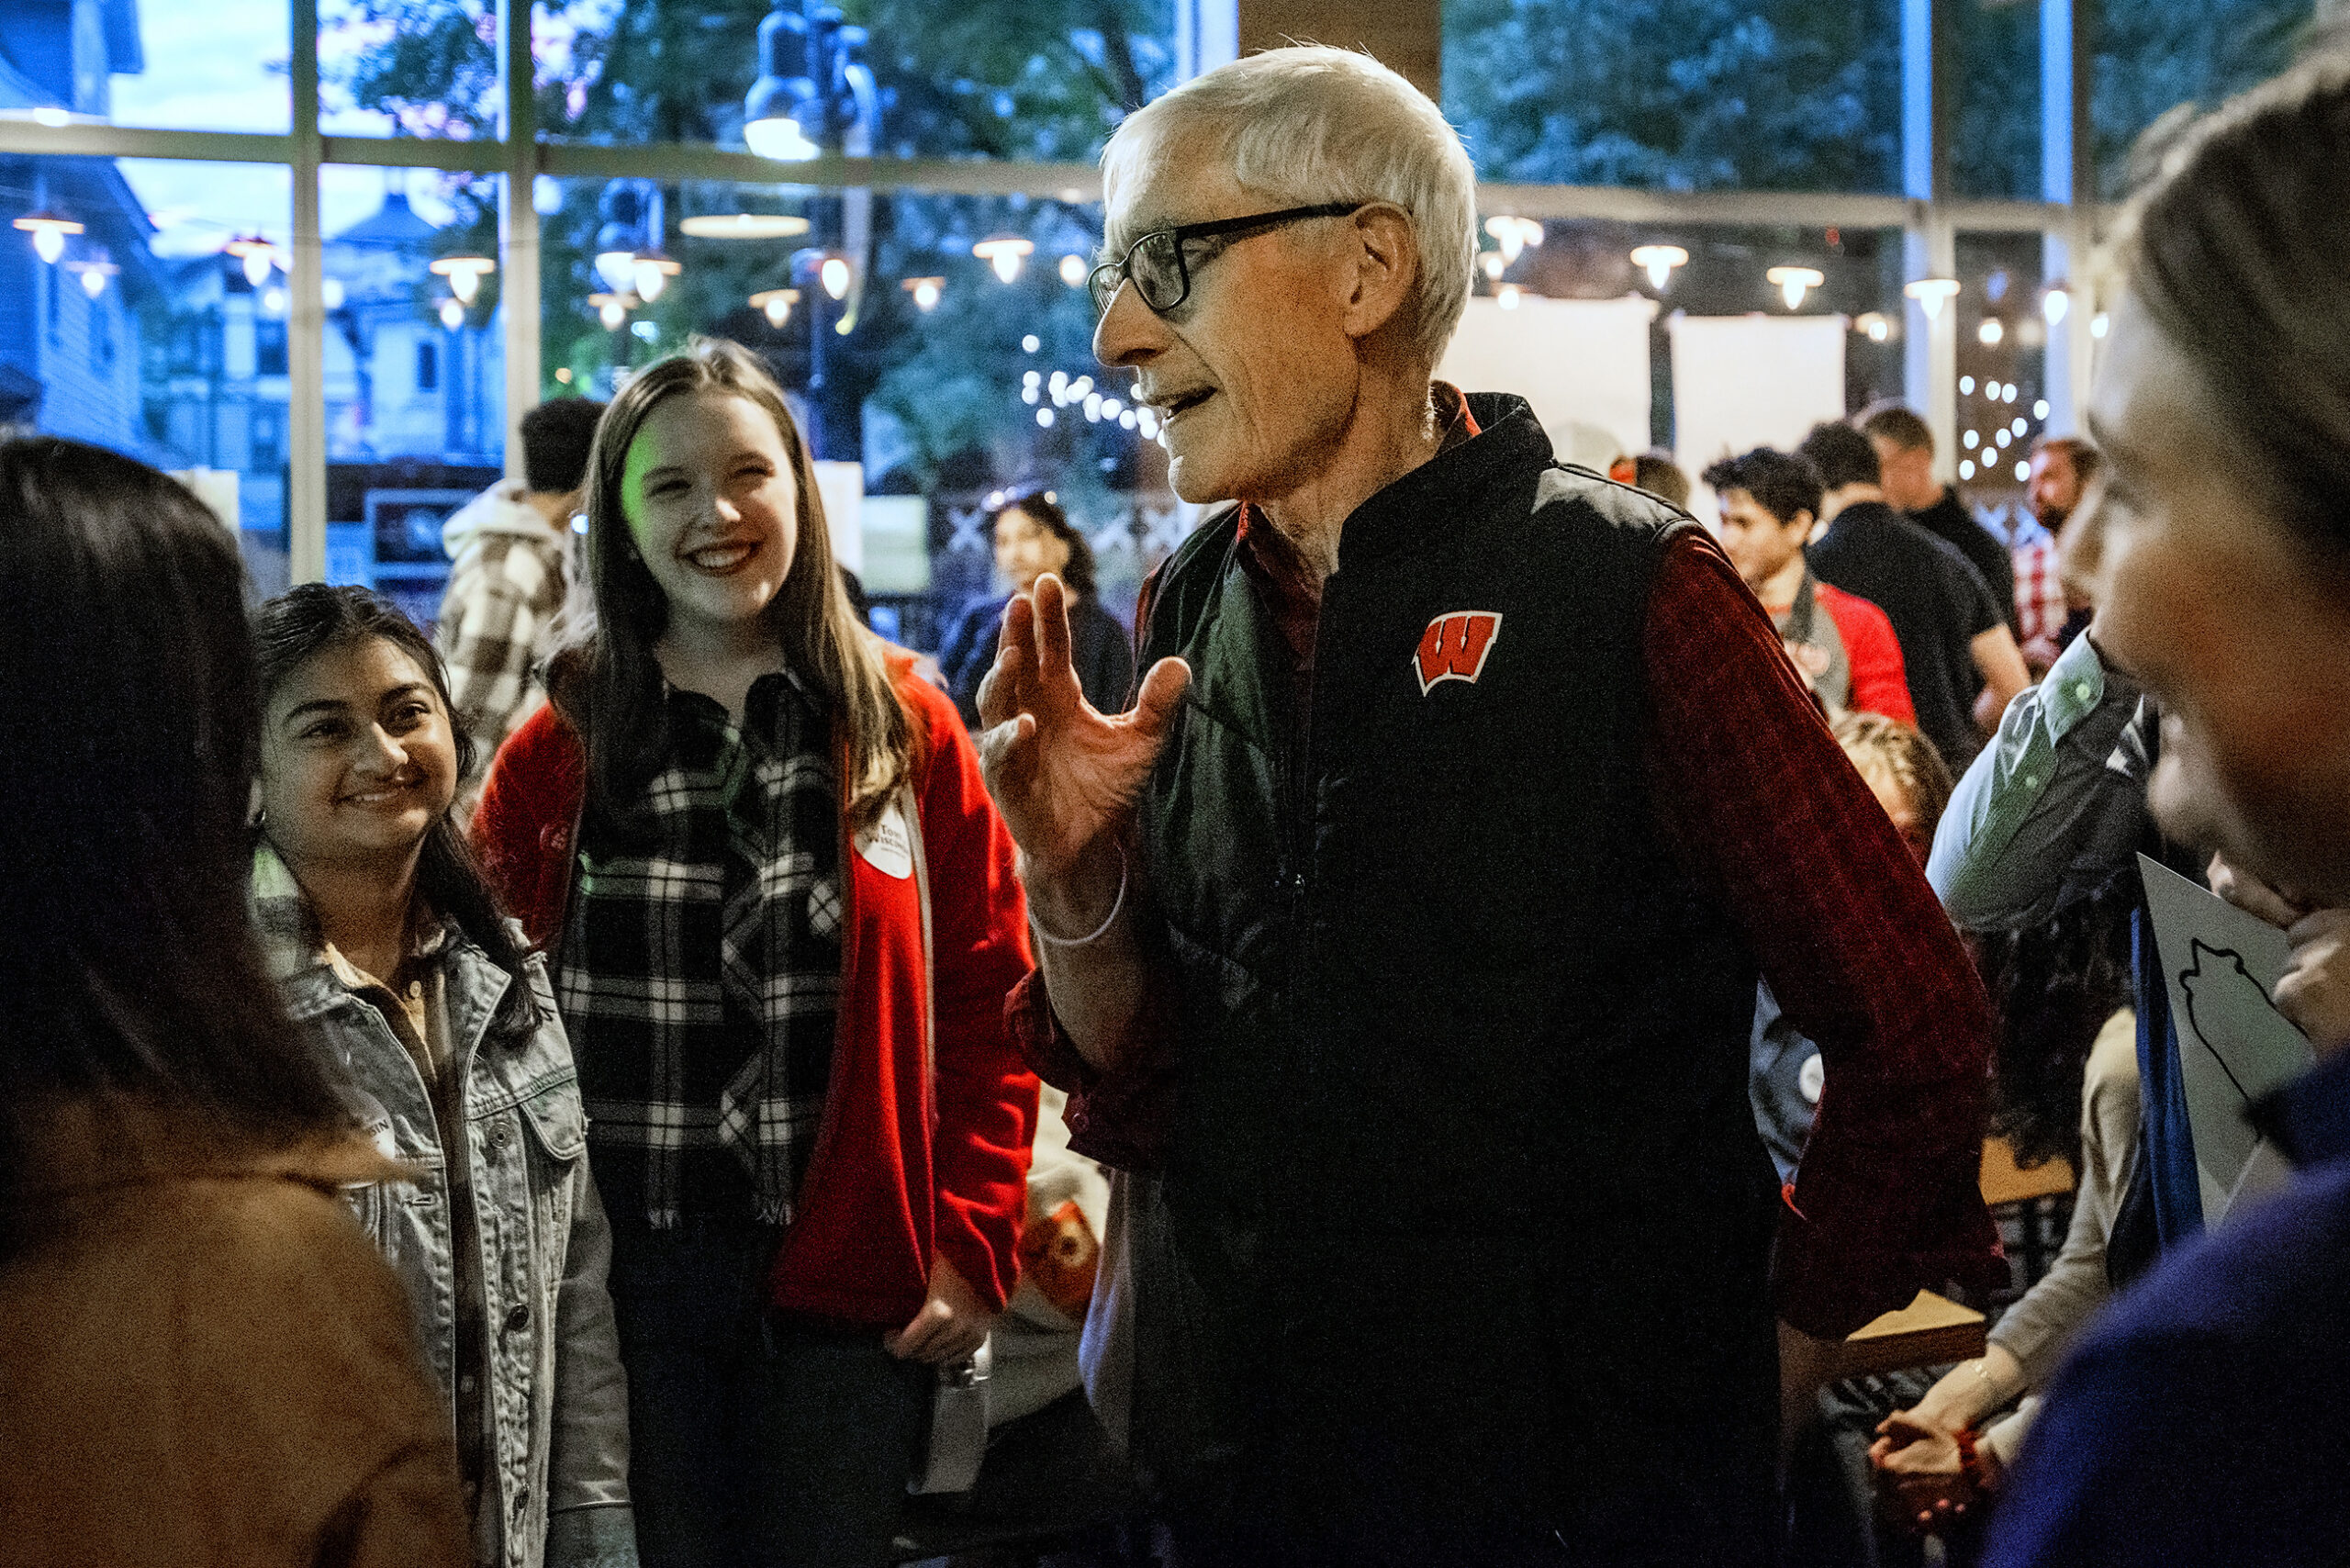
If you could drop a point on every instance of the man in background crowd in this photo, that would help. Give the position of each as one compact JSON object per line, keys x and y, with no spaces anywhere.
{"x":1843,"y":647}
{"x":1658,"y":474}
{"x":1905,"y":453}
{"x":2047,"y":613}
{"x":1953,"y":632}
{"x":512,"y":548}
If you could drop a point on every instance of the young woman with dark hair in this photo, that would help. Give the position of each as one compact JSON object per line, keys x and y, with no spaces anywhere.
{"x":1033,"y":536}
{"x":785,"y":920}
{"x":205,"y":1361}
{"x":420,"y":996}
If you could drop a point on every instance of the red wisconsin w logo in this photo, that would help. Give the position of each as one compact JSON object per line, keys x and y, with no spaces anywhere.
{"x":1455,"y":645}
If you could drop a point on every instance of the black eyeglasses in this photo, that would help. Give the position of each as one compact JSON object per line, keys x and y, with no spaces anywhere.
{"x":1155,"y":264}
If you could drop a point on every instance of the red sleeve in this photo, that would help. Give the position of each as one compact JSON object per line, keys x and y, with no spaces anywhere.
{"x":529,"y":810}
{"x":987,"y":1100}
{"x":1880,"y":681}
{"x":1765,"y":807}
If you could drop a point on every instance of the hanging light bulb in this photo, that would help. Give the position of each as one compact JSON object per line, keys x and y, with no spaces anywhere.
{"x":1993,"y":331}
{"x":1074,"y":271}
{"x":94,"y":275}
{"x":49,"y":230}
{"x":465,"y":275}
{"x":617,"y":268}
{"x":649,"y":273}
{"x":776,"y":303}
{"x":835,"y":274}
{"x":1507,"y":295}
{"x":2099,"y":324}
{"x":331,"y":293}
{"x":452,"y":313}
{"x":1795,"y":283}
{"x":1004,"y":252}
{"x":1514,"y":235}
{"x":2056,"y":304}
{"x":259,"y":257}
{"x":924,"y":290}
{"x":1931,"y":294}
{"x":1658,"y":261}
{"x":612,"y":309}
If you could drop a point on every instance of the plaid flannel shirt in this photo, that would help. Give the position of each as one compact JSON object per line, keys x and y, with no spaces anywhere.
{"x":2040,"y":596}
{"x":701,"y":960}
{"x":503,"y":595}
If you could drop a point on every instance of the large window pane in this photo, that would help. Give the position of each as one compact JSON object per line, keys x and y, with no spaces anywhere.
{"x":2155,"y":57}
{"x":1043,"y":80}
{"x":162,"y":336}
{"x":949,"y":382}
{"x":2002,"y":359}
{"x":1995,"y":139}
{"x":177,"y":67}
{"x":1678,"y":95}
{"x":414,"y":374}
{"x":424,"y":68}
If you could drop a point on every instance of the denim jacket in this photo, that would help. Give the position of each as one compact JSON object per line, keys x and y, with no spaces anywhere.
{"x":554,"y":1430}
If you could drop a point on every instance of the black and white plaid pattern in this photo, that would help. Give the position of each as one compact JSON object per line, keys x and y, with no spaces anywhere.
{"x":700,"y":980}
{"x":495,"y":620}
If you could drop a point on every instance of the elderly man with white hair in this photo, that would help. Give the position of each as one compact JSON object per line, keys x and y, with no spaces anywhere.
{"x":1400,"y":943}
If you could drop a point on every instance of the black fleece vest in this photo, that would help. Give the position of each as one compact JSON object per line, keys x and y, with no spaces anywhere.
{"x":1463,"y":1166}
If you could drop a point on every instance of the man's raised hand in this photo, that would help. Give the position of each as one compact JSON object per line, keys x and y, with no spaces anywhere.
{"x":1064,"y":774}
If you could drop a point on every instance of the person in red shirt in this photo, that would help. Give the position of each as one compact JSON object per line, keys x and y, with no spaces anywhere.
{"x":1849,"y":656}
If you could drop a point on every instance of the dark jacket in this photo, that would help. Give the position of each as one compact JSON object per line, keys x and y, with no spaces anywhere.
{"x":1465,"y":1217}
{"x":1101,"y":649}
{"x":2195,"y":1424}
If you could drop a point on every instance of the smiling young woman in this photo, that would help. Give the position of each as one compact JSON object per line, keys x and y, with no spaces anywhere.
{"x":441,"y":1030}
{"x":760,"y":849}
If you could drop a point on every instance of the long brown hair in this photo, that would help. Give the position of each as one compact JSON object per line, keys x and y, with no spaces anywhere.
{"x":607,"y":682}
{"x":129,"y":723}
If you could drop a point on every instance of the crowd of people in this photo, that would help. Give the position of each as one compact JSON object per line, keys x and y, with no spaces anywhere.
{"x":567,"y":1090}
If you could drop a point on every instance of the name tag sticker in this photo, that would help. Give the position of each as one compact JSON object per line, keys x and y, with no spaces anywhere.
{"x":887,"y":847}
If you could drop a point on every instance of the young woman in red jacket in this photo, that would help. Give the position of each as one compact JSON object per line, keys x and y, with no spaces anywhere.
{"x":783,"y":918}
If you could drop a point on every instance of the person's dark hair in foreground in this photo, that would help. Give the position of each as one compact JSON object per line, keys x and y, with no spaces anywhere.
{"x":128,"y":730}
{"x":205,"y":1361}
{"x":2218,"y":543}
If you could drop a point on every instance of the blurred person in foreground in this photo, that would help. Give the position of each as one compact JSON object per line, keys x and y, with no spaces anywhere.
{"x":1033,"y":536}
{"x":1843,"y":645}
{"x":1904,"y":452}
{"x":2051,"y":612}
{"x":1378,"y":870}
{"x":205,"y":1361}
{"x":512,"y":548}
{"x":1956,"y":651}
{"x":2200,"y":1422}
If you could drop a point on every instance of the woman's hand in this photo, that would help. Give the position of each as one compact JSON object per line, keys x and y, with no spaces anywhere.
{"x":1922,"y":1473}
{"x":2314,"y":993}
{"x":950,"y":1326}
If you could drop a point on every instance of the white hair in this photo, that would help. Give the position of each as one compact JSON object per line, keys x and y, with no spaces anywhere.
{"x":1309,"y":124}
